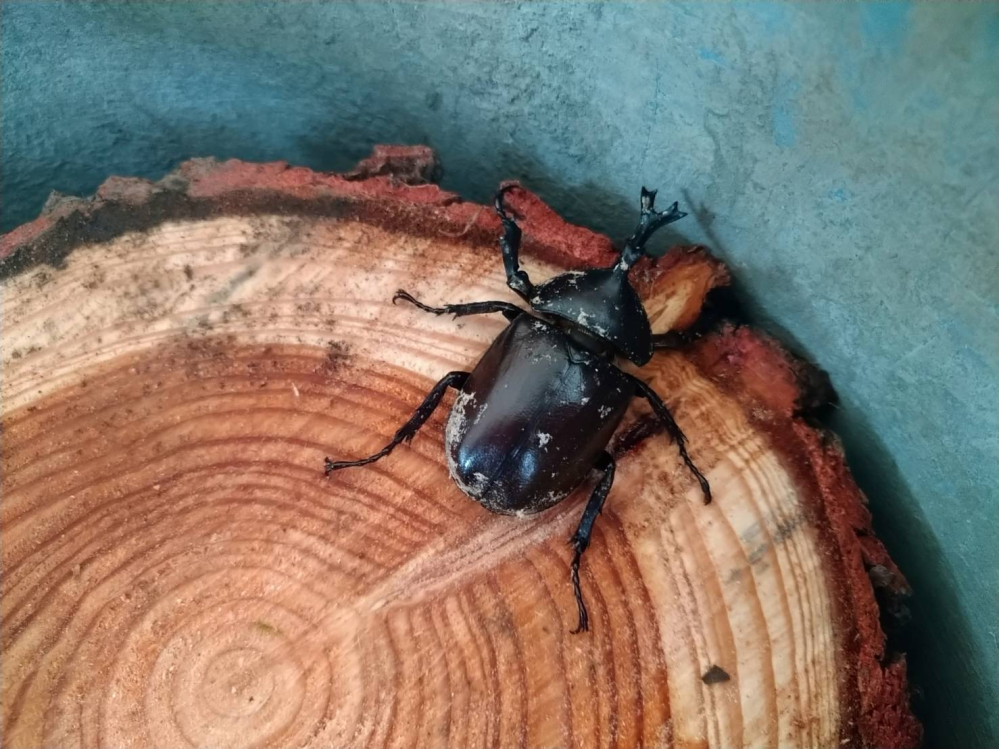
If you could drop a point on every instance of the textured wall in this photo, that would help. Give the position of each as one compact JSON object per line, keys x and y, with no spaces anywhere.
{"x":842,"y":158}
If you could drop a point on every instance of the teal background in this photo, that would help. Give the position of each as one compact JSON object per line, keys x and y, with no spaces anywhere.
{"x":841,"y":158}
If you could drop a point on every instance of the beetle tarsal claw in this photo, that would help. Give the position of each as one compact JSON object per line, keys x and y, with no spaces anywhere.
{"x":500,"y":205}
{"x":705,"y":488}
{"x":584,"y":619}
{"x":648,"y":198}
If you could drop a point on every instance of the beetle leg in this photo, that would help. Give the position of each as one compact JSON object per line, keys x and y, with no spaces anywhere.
{"x":580,"y":540}
{"x":649,"y":222}
{"x":673,"y":340}
{"x":516,"y":278}
{"x":509,"y":311}
{"x":407,"y":430}
{"x":673,"y":429}
{"x":652,"y":220}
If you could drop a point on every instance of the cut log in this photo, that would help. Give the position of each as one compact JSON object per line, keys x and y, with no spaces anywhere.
{"x":178,"y":359}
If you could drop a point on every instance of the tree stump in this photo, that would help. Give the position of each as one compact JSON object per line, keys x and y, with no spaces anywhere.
{"x":179,"y":357}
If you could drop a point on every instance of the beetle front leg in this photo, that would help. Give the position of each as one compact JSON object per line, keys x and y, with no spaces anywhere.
{"x":674,"y":431}
{"x":516,"y":279}
{"x":411,"y":427}
{"x":509,"y":311}
{"x":649,"y":223}
{"x":580,"y":540}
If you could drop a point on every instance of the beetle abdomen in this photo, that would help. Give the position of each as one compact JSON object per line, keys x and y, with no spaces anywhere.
{"x":532,"y":418}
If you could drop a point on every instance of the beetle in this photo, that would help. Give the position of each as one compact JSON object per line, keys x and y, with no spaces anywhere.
{"x":537,"y":412}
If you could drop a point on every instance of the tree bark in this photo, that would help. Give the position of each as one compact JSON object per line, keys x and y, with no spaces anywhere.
{"x":178,"y":359}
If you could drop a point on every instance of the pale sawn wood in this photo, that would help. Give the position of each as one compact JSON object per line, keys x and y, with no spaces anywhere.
{"x":178,"y":571}
{"x":179,"y":356}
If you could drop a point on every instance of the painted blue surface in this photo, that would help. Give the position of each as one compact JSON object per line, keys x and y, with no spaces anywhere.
{"x":885,"y":24}
{"x":782,"y":111}
{"x":839,"y":194}
{"x":841,"y":157}
{"x":710,"y":54}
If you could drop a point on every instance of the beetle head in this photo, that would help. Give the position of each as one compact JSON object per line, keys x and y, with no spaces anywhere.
{"x":602,"y":301}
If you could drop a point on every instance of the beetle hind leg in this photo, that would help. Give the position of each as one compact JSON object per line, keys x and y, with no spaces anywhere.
{"x":580,"y":540}
{"x":406,"y":431}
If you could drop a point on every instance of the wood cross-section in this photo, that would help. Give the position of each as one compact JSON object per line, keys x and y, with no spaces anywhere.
{"x":179,"y":358}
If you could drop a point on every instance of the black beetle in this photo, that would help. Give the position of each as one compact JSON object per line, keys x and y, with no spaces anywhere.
{"x":537,"y":412}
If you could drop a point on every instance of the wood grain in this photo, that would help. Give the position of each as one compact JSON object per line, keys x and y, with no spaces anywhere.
{"x":178,"y":572}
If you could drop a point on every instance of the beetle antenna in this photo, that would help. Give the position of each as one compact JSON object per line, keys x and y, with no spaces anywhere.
{"x":649,"y":223}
